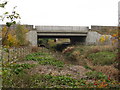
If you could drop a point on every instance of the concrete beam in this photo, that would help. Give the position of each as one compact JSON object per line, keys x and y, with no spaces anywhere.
{"x":60,"y":34}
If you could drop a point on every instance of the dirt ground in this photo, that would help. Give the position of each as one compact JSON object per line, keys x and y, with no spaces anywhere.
{"x":74,"y":71}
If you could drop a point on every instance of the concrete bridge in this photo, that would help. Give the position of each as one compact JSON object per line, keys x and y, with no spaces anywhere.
{"x":61,"y":31}
{"x":74,"y":33}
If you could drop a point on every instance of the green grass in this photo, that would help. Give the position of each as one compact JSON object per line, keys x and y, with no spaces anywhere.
{"x":102,"y":58}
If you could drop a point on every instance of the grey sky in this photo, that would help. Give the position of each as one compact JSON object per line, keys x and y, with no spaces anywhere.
{"x":67,"y":12}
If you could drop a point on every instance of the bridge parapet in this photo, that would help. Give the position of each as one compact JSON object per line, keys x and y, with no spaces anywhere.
{"x":69,"y":29}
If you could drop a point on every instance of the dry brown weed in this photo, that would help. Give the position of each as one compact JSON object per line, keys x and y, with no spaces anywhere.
{"x":108,"y":70}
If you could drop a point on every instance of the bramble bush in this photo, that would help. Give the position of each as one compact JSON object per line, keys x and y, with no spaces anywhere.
{"x":21,"y":35}
{"x":15,"y":37}
{"x":115,"y":37}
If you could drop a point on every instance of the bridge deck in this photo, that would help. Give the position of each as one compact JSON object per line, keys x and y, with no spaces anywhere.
{"x":62,"y":29}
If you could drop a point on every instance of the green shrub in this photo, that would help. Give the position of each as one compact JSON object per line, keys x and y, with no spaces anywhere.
{"x":87,"y":67}
{"x":37,"y":56}
{"x":102,"y":58}
{"x":18,"y":68}
{"x":52,"y":62}
{"x":96,"y":75}
{"x":21,"y":35}
{"x":44,"y":59}
{"x":24,"y":80}
{"x":56,"y":81}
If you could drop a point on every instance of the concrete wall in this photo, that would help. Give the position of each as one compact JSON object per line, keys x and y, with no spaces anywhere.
{"x":119,"y":13}
{"x":92,"y":37}
{"x":32,"y":37}
{"x":104,"y":29}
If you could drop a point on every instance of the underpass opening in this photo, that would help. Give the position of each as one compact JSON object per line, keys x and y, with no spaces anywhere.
{"x":59,"y":42}
{"x":76,"y":40}
{"x":53,"y":42}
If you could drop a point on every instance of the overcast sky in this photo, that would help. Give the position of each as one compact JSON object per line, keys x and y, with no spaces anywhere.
{"x":66,"y":12}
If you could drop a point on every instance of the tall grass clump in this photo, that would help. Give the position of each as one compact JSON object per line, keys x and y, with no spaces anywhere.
{"x":102,"y":58}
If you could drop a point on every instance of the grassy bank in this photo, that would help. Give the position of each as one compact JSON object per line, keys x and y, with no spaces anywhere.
{"x":18,"y":75}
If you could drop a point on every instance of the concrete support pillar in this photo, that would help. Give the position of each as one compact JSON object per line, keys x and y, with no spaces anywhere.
{"x":32,"y":37}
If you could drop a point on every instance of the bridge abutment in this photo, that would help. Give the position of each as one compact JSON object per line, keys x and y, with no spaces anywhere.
{"x":92,"y":38}
{"x":32,"y":37}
